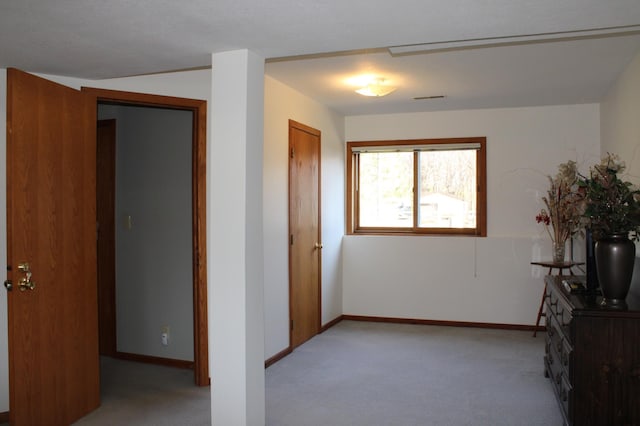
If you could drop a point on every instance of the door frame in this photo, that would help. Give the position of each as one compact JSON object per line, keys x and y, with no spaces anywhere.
{"x":302,"y":127}
{"x":199,"y":143}
{"x":106,"y":250}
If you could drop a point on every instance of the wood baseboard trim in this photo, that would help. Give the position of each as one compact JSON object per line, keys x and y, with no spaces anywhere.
{"x":277,"y":357}
{"x":499,"y":326}
{"x":4,"y":417}
{"x":331,"y":323}
{"x":148,"y":359}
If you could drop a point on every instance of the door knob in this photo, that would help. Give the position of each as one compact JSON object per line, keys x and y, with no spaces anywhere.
{"x":25,"y":282}
{"x":318,"y":245}
{"x":8,"y":285}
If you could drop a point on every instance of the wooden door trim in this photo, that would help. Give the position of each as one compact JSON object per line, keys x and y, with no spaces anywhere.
{"x":315,"y":132}
{"x":106,"y":288}
{"x":199,"y":143}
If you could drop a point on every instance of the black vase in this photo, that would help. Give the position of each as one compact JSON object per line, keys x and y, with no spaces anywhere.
{"x":615,"y":256}
{"x":592,"y":275}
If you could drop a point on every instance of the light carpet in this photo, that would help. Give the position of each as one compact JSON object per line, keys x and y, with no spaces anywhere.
{"x":134,"y":393}
{"x":376,"y":374}
{"x":360,"y":374}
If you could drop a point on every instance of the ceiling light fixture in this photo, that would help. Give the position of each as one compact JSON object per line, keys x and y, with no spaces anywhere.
{"x":376,"y":88}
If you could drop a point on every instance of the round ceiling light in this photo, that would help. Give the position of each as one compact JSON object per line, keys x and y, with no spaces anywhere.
{"x":376,"y":88}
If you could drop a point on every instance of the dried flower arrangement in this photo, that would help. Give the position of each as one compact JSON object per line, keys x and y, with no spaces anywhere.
{"x":564,"y":208}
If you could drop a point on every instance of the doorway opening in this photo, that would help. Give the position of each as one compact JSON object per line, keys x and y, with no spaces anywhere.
{"x":158,"y":225}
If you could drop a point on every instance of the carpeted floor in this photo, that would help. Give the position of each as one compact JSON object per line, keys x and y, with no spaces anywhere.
{"x":148,"y":395}
{"x":358,"y":374}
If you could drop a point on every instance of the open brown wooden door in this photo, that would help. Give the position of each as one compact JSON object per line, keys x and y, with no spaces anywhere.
{"x":304,"y":228}
{"x":51,"y":226}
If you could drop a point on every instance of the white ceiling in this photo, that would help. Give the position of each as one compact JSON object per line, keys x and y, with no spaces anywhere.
{"x":101,"y":39}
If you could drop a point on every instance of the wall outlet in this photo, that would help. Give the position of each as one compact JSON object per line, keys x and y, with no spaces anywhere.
{"x":164,"y":336}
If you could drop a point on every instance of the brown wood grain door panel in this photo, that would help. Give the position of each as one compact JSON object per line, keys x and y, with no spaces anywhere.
{"x":304,"y":230}
{"x":51,"y":196}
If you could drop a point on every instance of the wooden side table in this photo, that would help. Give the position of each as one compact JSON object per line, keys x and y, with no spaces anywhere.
{"x":560,"y":266}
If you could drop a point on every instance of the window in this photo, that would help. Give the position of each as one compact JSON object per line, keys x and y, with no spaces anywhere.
{"x":427,"y":186}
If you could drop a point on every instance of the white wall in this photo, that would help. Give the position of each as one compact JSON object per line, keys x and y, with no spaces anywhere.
{"x":186,"y":84}
{"x":465,"y":278}
{"x":154,"y":277}
{"x":281,"y":104}
{"x":620,"y":132}
{"x":619,"y":114}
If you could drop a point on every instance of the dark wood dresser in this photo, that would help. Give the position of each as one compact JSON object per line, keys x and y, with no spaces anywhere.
{"x":592,"y":356}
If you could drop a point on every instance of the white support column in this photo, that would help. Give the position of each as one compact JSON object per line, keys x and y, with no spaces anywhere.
{"x":235,"y":247}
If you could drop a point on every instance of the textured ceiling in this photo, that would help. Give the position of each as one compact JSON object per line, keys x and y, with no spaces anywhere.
{"x":551,"y":73}
{"x":100,"y":39}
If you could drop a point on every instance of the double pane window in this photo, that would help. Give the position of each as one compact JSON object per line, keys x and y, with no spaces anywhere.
{"x":421,"y":187}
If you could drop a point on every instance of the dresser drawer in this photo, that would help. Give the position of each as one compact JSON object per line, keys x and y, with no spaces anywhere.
{"x":558,"y":311}
{"x":558,"y":347}
{"x":565,"y":391}
{"x":561,"y":387}
{"x":559,"y":353}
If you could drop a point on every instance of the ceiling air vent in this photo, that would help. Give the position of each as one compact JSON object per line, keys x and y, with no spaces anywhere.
{"x":422,"y":98}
